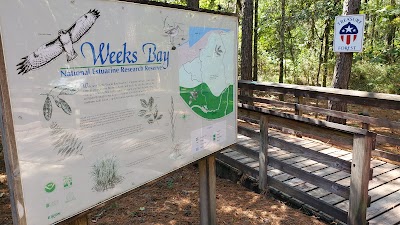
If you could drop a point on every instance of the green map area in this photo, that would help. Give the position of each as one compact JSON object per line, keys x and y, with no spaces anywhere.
{"x":205,"y":104}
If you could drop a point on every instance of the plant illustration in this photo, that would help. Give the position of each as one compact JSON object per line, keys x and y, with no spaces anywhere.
{"x":55,"y":94}
{"x":218,"y":50}
{"x":66,"y":143}
{"x":177,"y":147}
{"x":172,"y":119}
{"x":150,"y":111}
{"x":105,"y":173}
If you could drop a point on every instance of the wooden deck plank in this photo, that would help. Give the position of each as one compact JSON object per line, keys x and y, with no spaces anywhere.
{"x":332,"y":198}
{"x":375,"y":163}
{"x":273,"y":172}
{"x":294,"y":182}
{"x":318,"y":192}
{"x":384,"y":187}
{"x":383,"y":204}
{"x":384,"y":190}
{"x":284,"y":176}
{"x":326,"y":171}
{"x":384,"y":168}
{"x":247,"y":160}
{"x":315,"y":167}
{"x":295,"y":160}
{"x":383,"y":178}
{"x":391,"y":217}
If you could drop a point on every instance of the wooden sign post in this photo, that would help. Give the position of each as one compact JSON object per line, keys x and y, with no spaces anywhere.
{"x":207,"y":191}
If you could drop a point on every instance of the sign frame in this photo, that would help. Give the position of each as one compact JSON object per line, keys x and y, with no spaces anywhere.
{"x":356,"y":26}
{"x":9,"y":140}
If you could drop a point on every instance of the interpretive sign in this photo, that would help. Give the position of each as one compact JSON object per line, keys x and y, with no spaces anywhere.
{"x":349,"y":33}
{"x":101,"y":97}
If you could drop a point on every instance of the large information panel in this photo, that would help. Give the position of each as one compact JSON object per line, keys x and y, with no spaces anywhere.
{"x":106,"y":96}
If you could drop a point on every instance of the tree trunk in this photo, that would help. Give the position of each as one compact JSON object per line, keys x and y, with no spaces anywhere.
{"x":326,"y":51}
{"x":341,"y":75}
{"x":194,"y":4}
{"x":391,"y":33}
{"x":247,"y":40}
{"x":247,"y":44}
{"x":282,"y":41}
{"x":320,"y":57}
{"x":255,"y":54}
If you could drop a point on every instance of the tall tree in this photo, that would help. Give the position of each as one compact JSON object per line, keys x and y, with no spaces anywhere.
{"x":281,"y":54}
{"x":246,"y":47}
{"x":193,"y":4}
{"x":341,"y":74}
{"x":255,"y":56}
{"x":247,"y":41}
{"x":392,"y":31}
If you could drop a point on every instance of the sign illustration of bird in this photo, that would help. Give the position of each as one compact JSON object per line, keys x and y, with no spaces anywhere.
{"x":63,"y":43}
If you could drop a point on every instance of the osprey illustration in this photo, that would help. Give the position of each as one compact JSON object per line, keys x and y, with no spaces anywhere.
{"x":63,"y":43}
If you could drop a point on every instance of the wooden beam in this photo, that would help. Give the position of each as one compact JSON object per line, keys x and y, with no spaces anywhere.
{"x":388,"y":101}
{"x":308,"y":199}
{"x":284,"y":188}
{"x":310,"y":178}
{"x":263,"y":155}
{"x":10,"y":148}
{"x":212,"y":182}
{"x":331,"y":135}
{"x":207,"y":191}
{"x":246,"y":151}
{"x":328,"y":112}
{"x":314,"y":122}
{"x":249,"y":132}
{"x":328,"y":160}
{"x":358,"y":202}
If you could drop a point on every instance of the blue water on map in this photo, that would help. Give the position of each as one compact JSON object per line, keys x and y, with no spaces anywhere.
{"x":196,"y":33}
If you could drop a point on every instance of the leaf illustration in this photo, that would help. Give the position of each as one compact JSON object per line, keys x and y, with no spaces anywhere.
{"x":156,"y":113}
{"x":159,"y":117}
{"x":151,"y":101}
{"x":150,"y":121}
{"x":68,"y":91}
{"x":65,"y":107}
{"x":142,"y":112}
{"x":57,"y":101}
{"x":147,"y":116}
{"x":47,"y":109}
{"x":144,"y":103}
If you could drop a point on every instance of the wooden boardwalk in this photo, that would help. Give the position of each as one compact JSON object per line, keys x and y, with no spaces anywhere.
{"x":384,"y":188}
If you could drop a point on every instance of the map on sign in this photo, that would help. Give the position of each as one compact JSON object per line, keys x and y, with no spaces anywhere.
{"x":205,"y":83}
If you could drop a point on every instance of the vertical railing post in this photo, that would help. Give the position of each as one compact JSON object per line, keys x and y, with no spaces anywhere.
{"x":263,"y":155}
{"x":365,"y":113}
{"x":299,"y":101}
{"x":207,"y":191}
{"x":360,"y":174}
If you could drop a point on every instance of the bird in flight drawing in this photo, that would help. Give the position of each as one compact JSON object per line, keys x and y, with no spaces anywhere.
{"x":63,"y":43}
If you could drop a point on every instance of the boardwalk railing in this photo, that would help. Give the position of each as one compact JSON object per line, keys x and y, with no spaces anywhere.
{"x":366,"y":101}
{"x":361,"y":140}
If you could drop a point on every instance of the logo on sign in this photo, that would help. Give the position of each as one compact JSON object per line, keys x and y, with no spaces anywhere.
{"x":348,"y":33}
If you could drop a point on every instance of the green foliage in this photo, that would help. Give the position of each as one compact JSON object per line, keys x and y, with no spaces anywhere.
{"x":375,"y":69}
{"x":375,"y":77}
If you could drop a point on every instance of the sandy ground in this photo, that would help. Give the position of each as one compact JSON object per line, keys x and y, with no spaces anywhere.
{"x":175,"y":200}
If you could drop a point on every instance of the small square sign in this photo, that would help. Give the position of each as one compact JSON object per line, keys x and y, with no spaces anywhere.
{"x":349,"y":33}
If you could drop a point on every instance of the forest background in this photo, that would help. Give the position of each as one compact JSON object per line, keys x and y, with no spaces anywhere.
{"x":291,"y":41}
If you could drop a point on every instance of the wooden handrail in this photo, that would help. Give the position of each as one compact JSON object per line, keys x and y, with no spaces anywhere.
{"x":328,"y":112}
{"x":387,"y":101}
